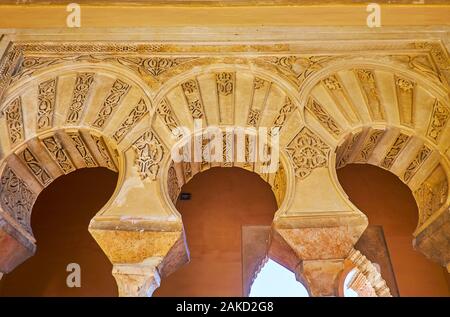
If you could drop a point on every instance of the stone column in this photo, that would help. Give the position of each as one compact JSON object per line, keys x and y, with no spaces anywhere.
{"x":320,"y":277}
{"x":139,"y":279}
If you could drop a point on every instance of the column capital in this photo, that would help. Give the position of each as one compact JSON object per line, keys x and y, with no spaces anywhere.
{"x":320,"y":277}
{"x":138,"y":279}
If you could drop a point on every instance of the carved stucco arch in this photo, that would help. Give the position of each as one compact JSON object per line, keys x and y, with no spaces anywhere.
{"x":425,"y":160}
{"x":106,"y":145}
{"x":144,"y":238}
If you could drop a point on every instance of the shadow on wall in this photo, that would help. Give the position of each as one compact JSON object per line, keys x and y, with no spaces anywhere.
{"x":388,"y":202}
{"x":60,"y":220}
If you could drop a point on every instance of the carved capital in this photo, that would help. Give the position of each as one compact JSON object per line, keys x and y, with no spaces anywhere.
{"x":434,"y":240}
{"x":320,"y":277}
{"x":15,"y":248}
{"x":138,"y":279}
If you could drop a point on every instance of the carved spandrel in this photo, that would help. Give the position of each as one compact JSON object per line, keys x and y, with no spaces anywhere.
{"x":149,"y":153}
{"x":307,"y":152}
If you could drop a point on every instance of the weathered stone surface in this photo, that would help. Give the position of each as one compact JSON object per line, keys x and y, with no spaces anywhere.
{"x":320,"y":277}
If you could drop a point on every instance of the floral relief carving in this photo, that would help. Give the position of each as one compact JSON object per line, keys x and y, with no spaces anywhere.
{"x":14,"y":121}
{"x":83,"y":83}
{"x":165,"y":112}
{"x":58,"y":153}
{"x":430,"y":198}
{"x":172,"y":184}
{"x":283,"y":114}
{"x":104,"y":152}
{"x":138,"y":112}
{"x":405,"y":99}
{"x":16,"y":198}
{"x":118,"y":90}
{"x":323,"y":117}
{"x":369,"y":88}
{"x":149,"y":153}
{"x":395,"y":150}
{"x":35,"y":167}
{"x":46,"y":104}
{"x":438,"y":121}
{"x":193,"y":98}
{"x":225,"y":83}
{"x":369,"y":145}
{"x":307,"y":152}
{"x":414,"y":166}
{"x":82,"y":149}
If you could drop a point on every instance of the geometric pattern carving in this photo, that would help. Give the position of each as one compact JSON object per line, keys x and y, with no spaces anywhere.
{"x":323,"y":117}
{"x":307,"y":152}
{"x":46,"y":104}
{"x":82,"y":84}
{"x":35,"y":167}
{"x":149,"y":154}
{"x":118,"y":90}
{"x":395,"y":150}
{"x":14,"y":121}
{"x":139,"y":111}
{"x":82,"y":149}
{"x":439,"y":119}
{"x":16,"y":198}
{"x":58,"y":153}
{"x":414,"y":166}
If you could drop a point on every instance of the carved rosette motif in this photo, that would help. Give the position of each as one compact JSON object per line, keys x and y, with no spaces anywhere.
{"x":16,"y":198}
{"x":46,"y":104}
{"x":118,"y":90}
{"x":149,"y":153}
{"x":414,"y":166}
{"x":14,"y":121}
{"x":307,"y":152}
{"x":323,"y":117}
{"x":395,"y":150}
{"x":82,"y":84}
{"x":58,"y":153}
{"x":438,"y":121}
{"x":138,"y":112}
